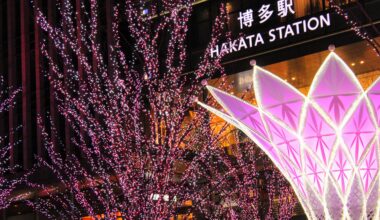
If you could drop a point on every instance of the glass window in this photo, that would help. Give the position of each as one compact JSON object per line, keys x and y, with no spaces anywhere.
{"x":300,"y":71}
{"x":307,"y":7}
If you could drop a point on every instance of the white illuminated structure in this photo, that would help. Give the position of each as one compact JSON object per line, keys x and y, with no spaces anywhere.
{"x":326,"y":144}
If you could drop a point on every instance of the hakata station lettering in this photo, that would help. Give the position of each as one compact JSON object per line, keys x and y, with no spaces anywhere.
{"x":274,"y":34}
{"x":284,"y":8}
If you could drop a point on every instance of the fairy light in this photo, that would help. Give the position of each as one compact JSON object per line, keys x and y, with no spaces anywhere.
{"x":140,"y":154}
{"x":7,"y":184}
{"x":355,"y":27}
{"x":326,"y":147}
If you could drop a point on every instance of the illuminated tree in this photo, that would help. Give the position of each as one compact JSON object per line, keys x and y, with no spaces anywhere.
{"x":7,"y":184}
{"x":140,"y":144}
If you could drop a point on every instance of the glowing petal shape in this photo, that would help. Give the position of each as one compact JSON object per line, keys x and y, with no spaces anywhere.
{"x":277,"y":97}
{"x":341,"y":170}
{"x":335,"y":88}
{"x":359,"y":131}
{"x":286,"y":142}
{"x":374,"y":96}
{"x":315,"y":173}
{"x":326,"y":144}
{"x":258,"y":139}
{"x":240,"y":110}
{"x":318,"y":135}
{"x":295,"y":175}
{"x":369,"y":168}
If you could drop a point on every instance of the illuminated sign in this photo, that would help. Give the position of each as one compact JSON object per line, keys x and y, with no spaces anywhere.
{"x":250,"y":17}
{"x":284,"y":8}
{"x":274,"y":34}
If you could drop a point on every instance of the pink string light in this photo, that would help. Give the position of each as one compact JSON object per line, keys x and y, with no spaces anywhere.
{"x":129,"y":114}
{"x":7,"y":182}
{"x":355,"y":27}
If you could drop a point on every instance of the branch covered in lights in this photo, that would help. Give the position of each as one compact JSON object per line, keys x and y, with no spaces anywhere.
{"x":355,"y":27}
{"x":139,"y":145}
{"x":7,"y":183}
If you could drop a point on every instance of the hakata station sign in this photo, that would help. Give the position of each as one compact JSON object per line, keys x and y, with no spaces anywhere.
{"x":283,"y":8}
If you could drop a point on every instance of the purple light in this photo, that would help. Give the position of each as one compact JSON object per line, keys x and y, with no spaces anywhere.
{"x":326,"y":144}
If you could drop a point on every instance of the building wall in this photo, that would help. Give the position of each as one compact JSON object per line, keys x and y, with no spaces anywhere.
{"x":23,"y":66}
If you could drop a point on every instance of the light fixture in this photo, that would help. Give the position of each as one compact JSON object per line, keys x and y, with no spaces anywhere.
{"x":353,"y":64}
{"x":228,"y":7}
{"x":361,"y":61}
{"x":326,"y":144}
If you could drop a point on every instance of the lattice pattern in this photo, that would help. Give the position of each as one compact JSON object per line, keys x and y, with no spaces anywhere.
{"x":326,"y":144}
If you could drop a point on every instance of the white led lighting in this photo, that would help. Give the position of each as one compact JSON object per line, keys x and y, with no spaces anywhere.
{"x":326,"y":144}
